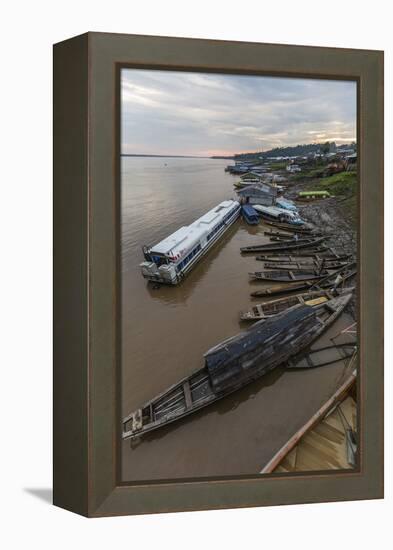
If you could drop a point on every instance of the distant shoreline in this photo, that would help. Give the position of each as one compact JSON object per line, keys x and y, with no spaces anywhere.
{"x":165,"y":156}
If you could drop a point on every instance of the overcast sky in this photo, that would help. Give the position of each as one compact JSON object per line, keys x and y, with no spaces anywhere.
{"x":178,"y":113}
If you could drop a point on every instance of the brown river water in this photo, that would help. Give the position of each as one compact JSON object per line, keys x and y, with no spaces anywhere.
{"x":166,"y":331}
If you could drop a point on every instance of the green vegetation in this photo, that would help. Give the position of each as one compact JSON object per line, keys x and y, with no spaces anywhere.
{"x":292,"y":151}
{"x":342,"y":184}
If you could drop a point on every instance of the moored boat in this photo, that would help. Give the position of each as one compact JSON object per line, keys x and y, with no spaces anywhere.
{"x":311,"y":256}
{"x":171,"y":259}
{"x":275,"y":214}
{"x":296,"y":266}
{"x":334,"y":280}
{"x":235,"y":363}
{"x":327,"y":441}
{"x":284,"y":245}
{"x":250,"y":215}
{"x":289,"y":275}
{"x":274,"y":307}
{"x":289,"y":227}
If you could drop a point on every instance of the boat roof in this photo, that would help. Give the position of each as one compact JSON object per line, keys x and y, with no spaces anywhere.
{"x":306,"y":193}
{"x":272,"y":209}
{"x":284,"y":201}
{"x":248,"y":209}
{"x":188,"y":235}
{"x":260,"y":188}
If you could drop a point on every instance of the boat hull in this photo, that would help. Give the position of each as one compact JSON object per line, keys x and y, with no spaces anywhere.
{"x":183,"y":272}
{"x":273,"y":307}
{"x":286,"y":245}
{"x":211,"y":383}
{"x":288,"y":276}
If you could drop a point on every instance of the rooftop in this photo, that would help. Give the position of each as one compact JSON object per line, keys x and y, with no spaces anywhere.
{"x":184,"y":238}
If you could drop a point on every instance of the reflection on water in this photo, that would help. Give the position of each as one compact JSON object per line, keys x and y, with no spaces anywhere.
{"x":166,"y":330}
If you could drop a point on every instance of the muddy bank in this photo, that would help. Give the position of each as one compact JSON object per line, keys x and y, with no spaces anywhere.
{"x":333,"y":218}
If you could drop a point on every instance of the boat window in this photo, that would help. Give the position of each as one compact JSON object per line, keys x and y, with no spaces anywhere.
{"x":158,"y":260}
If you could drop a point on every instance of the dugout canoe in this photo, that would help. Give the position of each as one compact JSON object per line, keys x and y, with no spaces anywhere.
{"x":314,"y":256}
{"x":296,"y":266}
{"x":342,"y":276}
{"x":289,"y":227}
{"x":234,"y":363}
{"x":289,"y":275}
{"x":289,"y":235}
{"x":283,"y":245}
{"x":274,"y":307}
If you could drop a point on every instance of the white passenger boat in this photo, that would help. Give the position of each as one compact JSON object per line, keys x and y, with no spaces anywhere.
{"x":171,"y":259}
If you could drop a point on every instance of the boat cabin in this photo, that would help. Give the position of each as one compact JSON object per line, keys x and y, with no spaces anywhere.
{"x":250,"y":214}
{"x":285,"y":204}
{"x":170,"y":259}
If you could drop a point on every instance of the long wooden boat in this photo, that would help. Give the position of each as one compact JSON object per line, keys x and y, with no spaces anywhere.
{"x":235,"y":363}
{"x":282,"y":288}
{"x":325,"y":283}
{"x":292,"y":238}
{"x":289,"y":275}
{"x":289,"y":227}
{"x":289,"y":235}
{"x":283,"y":245}
{"x":327,"y":441}
{"x":272,"y":233}
{"x":322,"y":357}
{"x":306,"y":256}
{"x":296,"y":266}
{"x":274,"y":307}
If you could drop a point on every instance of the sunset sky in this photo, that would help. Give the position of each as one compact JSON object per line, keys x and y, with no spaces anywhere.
{"x":179,"y":113}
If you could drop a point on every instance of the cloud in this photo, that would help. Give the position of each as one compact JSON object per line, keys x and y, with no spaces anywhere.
{"x":173,"y":112}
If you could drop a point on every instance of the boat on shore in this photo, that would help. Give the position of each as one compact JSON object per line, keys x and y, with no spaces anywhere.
{"x":327,"y":441}
{"x":289,"y":227}
{"x":307,"y":242}
{"x":236,"y":362}
{"x":274,"y":307}
{"x":290,"y":238}
{"x":310,"y":256}
{"x":289,"y":275}
{"x":334,"y":280}
{"x":296,"y":266}
{"x":276,"y":214}
{"x":169,"y":261}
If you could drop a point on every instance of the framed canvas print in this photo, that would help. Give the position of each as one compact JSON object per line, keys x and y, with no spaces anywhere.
{"x":218,"y":274}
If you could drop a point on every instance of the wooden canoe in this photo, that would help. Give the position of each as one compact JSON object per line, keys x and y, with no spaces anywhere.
{"x":291,"y":238}
{"x":296,"y":266}
{"x":324,"y":442}
{"x":289,"y":235}
{"x":283,"y":245}
{"x":325,"y":283}
{"x":273,"y":307}
{"x":289,"y":227}
{"x":307,"y":256}
{"x":289,"y":275}
{"x":224,"y":371}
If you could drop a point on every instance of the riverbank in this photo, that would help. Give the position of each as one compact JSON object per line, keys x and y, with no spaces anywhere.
{"x":335,"y":217}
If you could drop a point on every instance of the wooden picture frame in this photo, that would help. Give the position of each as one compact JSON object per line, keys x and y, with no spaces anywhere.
{"x":86,"y":419}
